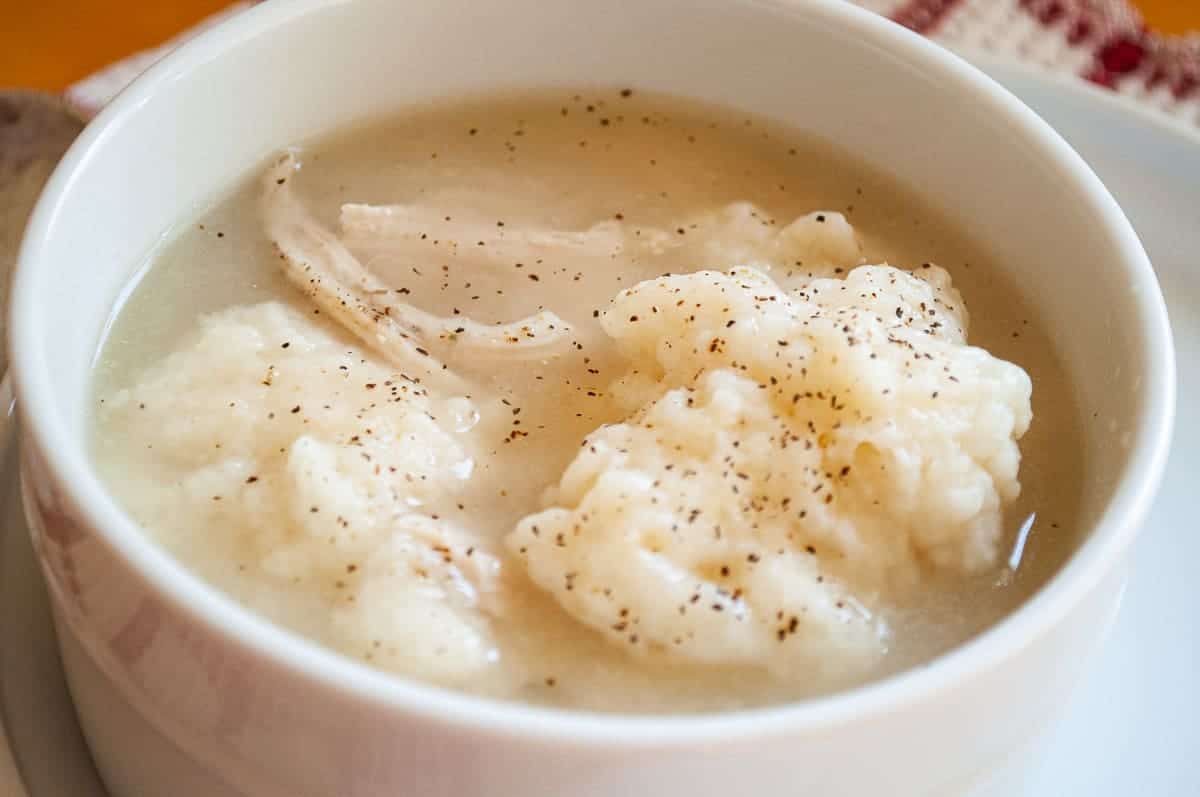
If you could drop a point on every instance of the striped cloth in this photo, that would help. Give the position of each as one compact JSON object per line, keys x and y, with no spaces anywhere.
{"x":1101,"y":41}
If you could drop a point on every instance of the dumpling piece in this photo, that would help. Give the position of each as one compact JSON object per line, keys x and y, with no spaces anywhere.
{"x":818,"y":244}
{"x":666,"y":534}
{"x":791,"y":461}
{"x":309,"y":475}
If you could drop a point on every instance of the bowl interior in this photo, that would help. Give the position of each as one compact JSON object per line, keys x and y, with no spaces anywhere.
{"x":286,"y":72}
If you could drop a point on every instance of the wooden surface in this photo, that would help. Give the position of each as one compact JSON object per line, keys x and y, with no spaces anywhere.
{"x":50,"y":44}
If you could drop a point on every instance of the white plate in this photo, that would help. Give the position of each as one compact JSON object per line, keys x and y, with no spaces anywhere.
{"x":1133,"y":727}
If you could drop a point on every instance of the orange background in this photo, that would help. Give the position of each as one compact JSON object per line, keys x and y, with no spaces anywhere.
{"x":50,"y":44}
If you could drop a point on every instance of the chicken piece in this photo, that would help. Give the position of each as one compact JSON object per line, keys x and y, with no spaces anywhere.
{"x":814,"y":245}
{"x":424,"y":231}
{"x":320,"y":265}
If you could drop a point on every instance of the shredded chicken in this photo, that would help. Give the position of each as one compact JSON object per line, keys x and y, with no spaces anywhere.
{"x":318,"y":263}
{"x":423,"y":228}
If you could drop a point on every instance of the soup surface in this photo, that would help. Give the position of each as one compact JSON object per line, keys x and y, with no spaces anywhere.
{"x":592,"y":400}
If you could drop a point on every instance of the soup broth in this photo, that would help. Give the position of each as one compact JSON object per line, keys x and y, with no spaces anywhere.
{"x":499,"y":208}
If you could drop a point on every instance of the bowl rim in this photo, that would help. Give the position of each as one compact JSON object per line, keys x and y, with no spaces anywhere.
{"x":66,"y":458}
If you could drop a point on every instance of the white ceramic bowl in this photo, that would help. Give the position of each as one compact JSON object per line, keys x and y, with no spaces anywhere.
{"x":181,"y":692}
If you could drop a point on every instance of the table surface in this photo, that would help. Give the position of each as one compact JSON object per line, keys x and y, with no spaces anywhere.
{"x":49,"y":44}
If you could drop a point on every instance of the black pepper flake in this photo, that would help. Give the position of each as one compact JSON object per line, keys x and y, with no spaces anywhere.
{"x":295,"y":409}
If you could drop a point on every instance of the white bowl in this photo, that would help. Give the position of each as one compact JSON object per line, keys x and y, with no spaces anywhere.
{"x":182,"y":692}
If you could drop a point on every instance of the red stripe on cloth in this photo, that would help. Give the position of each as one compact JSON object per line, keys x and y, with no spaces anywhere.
{"x":1156,"y":61}
{"x":1120,"y":44}
{"x":1175,"y":62}
{"x":1121,"y":55}
{"x":924,"y":16}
